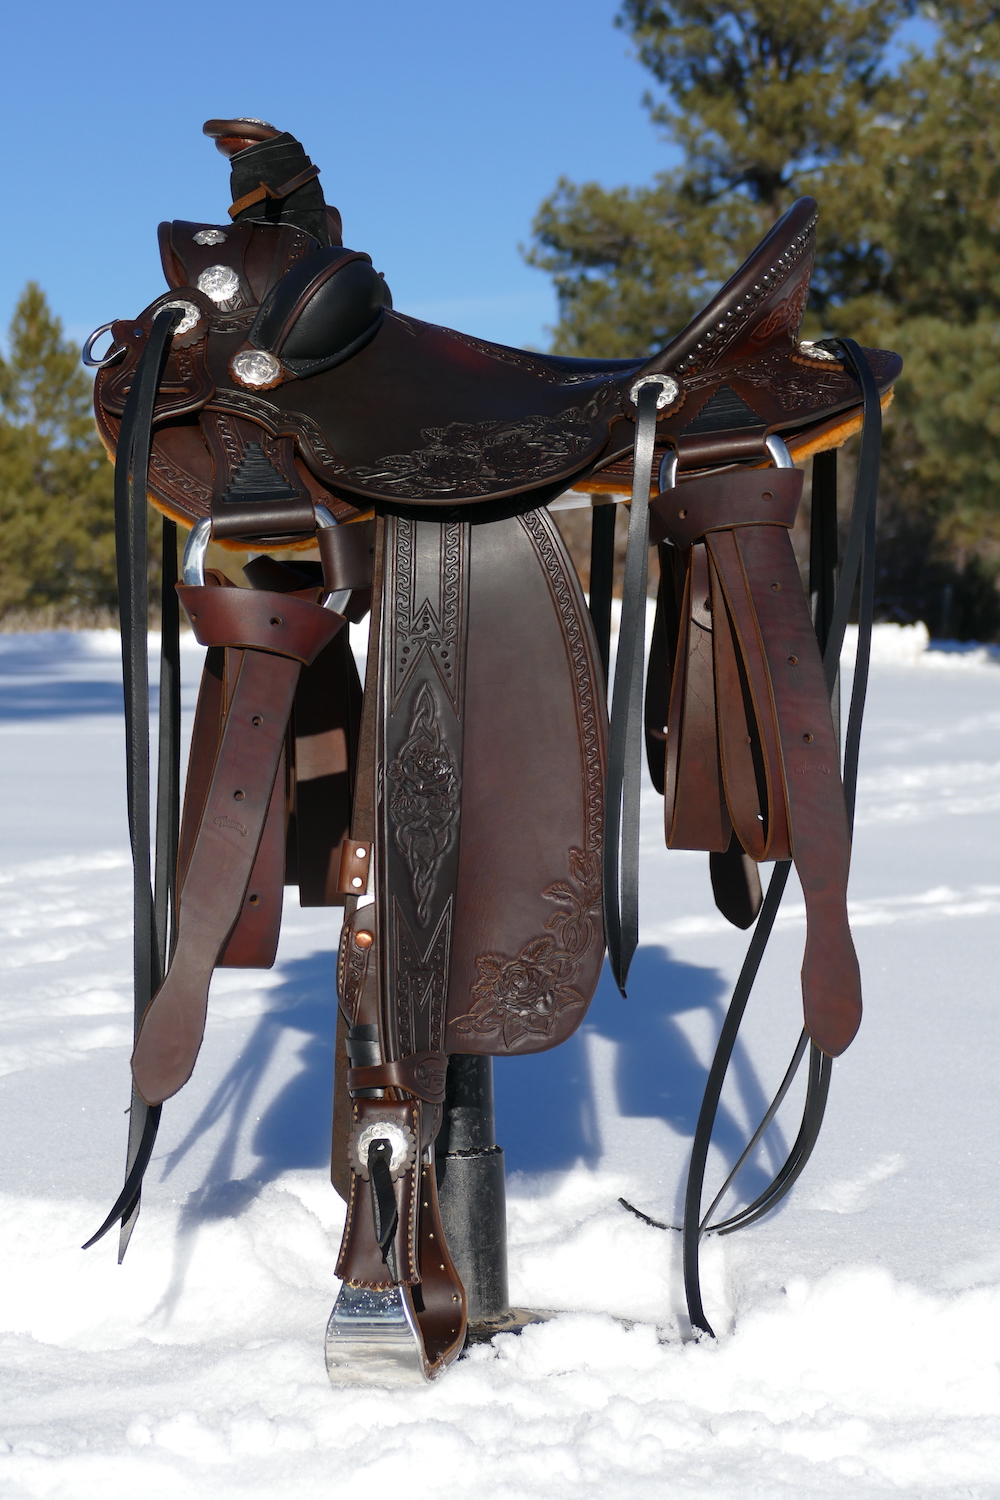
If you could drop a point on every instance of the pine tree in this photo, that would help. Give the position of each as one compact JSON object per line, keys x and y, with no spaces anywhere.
{"x":768,"y":99}
{"x":56,"y":485}
{"x":773,"y":98}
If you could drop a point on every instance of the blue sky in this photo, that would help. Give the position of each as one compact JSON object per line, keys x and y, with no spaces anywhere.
{"x":439,"y":125}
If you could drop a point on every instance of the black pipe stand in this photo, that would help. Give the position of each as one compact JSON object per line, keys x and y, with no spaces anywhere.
{"x":470,"y":1174}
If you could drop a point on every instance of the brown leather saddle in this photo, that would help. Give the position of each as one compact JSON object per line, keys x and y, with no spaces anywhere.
{"x":273,"y":399}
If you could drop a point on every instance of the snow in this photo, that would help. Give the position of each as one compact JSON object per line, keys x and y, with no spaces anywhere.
{"x":859,"y":1326}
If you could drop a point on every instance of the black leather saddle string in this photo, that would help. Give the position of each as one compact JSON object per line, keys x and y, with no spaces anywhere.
{"x":131,"y":543}
{"x":859,"y":555}
{"x":621,"y":827}
{"x":602,"y":573}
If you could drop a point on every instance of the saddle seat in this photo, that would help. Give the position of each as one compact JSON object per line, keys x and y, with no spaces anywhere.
{"x":388,"y":408}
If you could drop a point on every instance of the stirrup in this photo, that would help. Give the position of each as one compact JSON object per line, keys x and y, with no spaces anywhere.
{"x":372,"y":1338}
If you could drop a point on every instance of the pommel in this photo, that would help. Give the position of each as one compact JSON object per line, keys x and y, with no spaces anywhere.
{"x":236,"y":135}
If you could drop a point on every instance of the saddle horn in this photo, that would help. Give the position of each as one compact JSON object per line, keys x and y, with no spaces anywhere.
{"x":272,"y":180}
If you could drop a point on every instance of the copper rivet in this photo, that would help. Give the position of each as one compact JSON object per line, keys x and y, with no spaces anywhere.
{"x":193,"y":618}
{"x":808,"y":738}
{"x":793,"y":661}
{"x":238,"y":796}
{"x":767,"y":495}
{"x":275,"y":619}
{"x":682,"y":514}
{"x":776,"y":587}
{"x":254,"y":900}
{"x":256,"y":721}
{"x":363,"y":939}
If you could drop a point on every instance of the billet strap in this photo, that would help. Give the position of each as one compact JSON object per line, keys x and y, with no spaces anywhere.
{"x":276,"y":634}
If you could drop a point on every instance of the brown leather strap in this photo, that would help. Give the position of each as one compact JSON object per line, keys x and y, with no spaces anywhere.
{"x":256,"y":619}
{"x":817,"y":816}
{"x":423,"y":1074}
{"x":235,"y":810}
{"x":769,"y":725}
{"x":733,"y":595}
{"x":263,"y":191}
{"x":238,"y":798}
{"x":695,"y":803}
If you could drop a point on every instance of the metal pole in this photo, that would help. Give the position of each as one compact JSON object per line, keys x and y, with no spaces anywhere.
{"x":471,"y":1187}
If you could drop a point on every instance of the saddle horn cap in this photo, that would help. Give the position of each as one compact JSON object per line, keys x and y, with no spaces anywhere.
{"x":232,"y":136}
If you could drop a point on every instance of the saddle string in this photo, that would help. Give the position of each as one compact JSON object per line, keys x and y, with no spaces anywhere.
{"x":150,"y":916}
{"x":602,"y":572}
{"x":621,"y":829}
{"x":859,"y":556}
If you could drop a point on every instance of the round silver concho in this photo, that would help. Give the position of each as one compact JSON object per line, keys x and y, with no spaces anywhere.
{"x":670,"y":389}
{"x":191,"y":318}
{"x":256,"y":369}
{"x":400,"y":1137}
{"x":220,"y":283}
{"x":209,"y":237}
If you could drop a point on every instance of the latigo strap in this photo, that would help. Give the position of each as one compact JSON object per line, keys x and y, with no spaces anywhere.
{"x":751,"y":745}
{"x":276,"y":635}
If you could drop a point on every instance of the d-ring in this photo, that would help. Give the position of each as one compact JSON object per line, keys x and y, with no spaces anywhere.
{"x":193,"y":566}
{"x":116,"y":352}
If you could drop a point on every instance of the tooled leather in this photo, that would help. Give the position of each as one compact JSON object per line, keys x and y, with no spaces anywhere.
{"x":529,"y":935}
{"x":421,"y":683}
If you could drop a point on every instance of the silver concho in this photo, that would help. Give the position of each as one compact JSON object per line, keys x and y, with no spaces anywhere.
{"x":220,"y":283}
{"x":400,"y":1138}
{"x":210,"y":237}
{"x":191,"y":318}
{"x":256,"y":369}
{"x":670,"y":389}
{"x":813,"y":351}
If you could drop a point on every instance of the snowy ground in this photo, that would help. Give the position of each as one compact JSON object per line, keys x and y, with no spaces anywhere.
{"x":859,"y":1325}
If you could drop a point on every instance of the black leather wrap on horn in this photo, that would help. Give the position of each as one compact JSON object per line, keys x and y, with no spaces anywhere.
{"x":274,"y":163}
{"x":324,"y":310}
